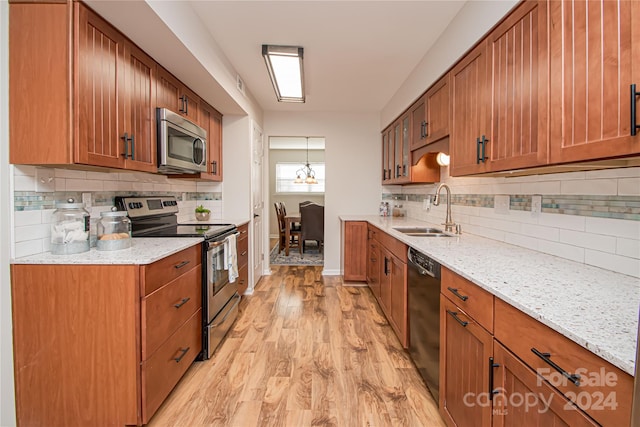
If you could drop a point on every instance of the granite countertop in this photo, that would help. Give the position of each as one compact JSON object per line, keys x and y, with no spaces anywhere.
{"x":596,"y":308}
{"x":142,"y":251}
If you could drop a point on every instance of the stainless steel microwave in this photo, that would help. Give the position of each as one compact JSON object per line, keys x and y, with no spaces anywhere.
{"x":182,"y":145}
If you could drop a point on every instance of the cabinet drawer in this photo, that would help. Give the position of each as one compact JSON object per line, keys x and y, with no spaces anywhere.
{"x":167,"y":308}
{"x":243,"y":251}
{"x":475,"y":301}
{"x":395,"y":246}
{"x":243,"y":230}
{"x":165,"y":368}
{"x":169,"y":268}
{"x":604,"y":391}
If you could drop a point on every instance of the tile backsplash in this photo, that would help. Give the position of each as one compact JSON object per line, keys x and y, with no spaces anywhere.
{"x":32,"y":209}
{"x":590,"y":217}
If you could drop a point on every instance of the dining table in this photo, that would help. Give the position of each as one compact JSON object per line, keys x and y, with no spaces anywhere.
{"x":289,"y":220}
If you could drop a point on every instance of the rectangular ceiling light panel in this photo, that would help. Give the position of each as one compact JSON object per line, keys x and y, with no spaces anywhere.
{"x":285,"y":69}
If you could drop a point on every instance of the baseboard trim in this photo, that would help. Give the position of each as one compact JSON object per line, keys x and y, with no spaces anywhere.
{"x":327,"y":272}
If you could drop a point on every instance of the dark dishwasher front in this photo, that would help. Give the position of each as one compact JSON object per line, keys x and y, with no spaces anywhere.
{"x":424,"y":317}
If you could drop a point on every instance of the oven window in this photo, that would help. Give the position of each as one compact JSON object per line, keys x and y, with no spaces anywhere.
{"x":217,"y":276}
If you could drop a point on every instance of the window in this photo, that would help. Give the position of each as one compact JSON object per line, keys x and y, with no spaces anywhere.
{"x":286,"y":174}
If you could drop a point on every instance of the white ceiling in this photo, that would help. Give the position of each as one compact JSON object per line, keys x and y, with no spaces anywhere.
{"x":357,"y":53}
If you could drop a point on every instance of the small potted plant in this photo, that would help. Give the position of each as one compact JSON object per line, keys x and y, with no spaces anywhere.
{"x":202,"y":213}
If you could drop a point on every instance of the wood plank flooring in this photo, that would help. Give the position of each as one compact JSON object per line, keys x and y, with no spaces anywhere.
{"x":305,"y":351}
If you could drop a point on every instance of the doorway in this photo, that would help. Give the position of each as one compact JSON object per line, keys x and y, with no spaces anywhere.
{"x":296,"y":175}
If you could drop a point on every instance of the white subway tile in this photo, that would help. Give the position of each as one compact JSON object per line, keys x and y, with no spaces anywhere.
{"x":506,"y":188}
{"x":523,"y":241}
{"x":111,"y":185}
{"x":589,"y":240}
{"x":562,"y":250}
{"x":30,"y":247}
{"x":485,"y":232}
{"x":522,"y":216}
{"x":590,"y":186}
{"x":71,"y":173}
{"x":127,"y":177}
{"x":103,"y":176}
{"x":215,"y":187}
{"x":628,"y":247}
{"x":613,"y":173}
{"x":125,"y":186}
{"x":617,"y":263}
{"x":22,"y":218}
{"x":47,"y":215}
{"x":613,"y":227}
{"x":24,"y":183}
{"x":629,"y":187}
{"x":162,"y":187}
{"x":541,"y":232}
{"x":24,"y":170}
{"x":84,"y":185}
{"x":31,"y":232}
{"x":568,"y":222}
{"x":545,"y":187}
{"x":565,"y":176}
{"x":142,"y":186}
{"x":60,"y":184}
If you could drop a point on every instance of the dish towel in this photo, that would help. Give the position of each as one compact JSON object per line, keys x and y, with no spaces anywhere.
{"x":231,"y":257}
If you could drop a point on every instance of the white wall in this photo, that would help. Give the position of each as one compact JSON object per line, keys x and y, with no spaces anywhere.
{"x":352,"y":160}
{"x":7,"y":408}
{"x":236,"y":165}
{"x":469,"y":25}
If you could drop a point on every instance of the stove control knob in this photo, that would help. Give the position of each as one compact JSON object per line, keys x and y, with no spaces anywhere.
{"x":131,"y":205}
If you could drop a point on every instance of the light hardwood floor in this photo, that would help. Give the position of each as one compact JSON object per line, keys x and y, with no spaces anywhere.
{"x":305,"y":351}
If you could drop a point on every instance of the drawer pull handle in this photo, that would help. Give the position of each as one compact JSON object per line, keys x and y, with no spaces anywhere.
{"x":574,"y":378}
{"x":455,"y":316}
{"x":243,"y":253}
{"x":183,"y":352}
{"x":182,"y":264}
{"x":182,"y":302}
{"x":634,"y":125}
{"x":491,"y":367}
{"x":456,"y":293}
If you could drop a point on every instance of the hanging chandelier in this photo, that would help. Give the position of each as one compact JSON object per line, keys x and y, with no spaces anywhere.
{"x":306,"y":175}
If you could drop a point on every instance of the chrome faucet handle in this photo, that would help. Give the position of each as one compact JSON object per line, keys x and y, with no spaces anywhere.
{"x":448,"y":226}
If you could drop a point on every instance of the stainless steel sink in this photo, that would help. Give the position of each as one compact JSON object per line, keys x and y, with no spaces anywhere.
{"x":422,"y":231}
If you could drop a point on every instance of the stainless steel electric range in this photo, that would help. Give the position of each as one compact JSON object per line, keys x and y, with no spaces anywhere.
{"x":156,"y":216}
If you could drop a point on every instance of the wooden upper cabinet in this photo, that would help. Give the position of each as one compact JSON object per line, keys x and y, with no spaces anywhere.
{"x":438,"y":110}
{"x":470,"y":124}
{"x":175,"y":96}
{"x":418,"y":123}
{"x":100,"y":122}
{"x":591,"y":70}
{"x":115,"y":103}
{"x":215,"y":146}
{"x":519,"y":64}
{"x":387,"y":155}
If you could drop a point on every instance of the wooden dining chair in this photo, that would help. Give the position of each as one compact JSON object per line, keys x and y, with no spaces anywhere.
{"x":294,"y":239}
{"x":312,"y":221}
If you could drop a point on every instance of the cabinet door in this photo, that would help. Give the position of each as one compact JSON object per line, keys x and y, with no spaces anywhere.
{"x":591,"y":67}
{"x":99,"y":106}
{"x":523,"y":398}
{"x":519,"y":69}
{"x":215,"y":146}
{"x":438,"y":110}
{"x":398,"y":308}
{"x":465,"y":352}
{"x":175,"y":96}
{"x":418,"y":124}
{"x":385,"y":280}
{"x":140,"y":105}
{"x":373,"y":264}
{"x":355,"y":251}
{"x":405,"y":159}
{"x":388,"y":155}
{"x":397,"y":151}
{"x":470,"y":116}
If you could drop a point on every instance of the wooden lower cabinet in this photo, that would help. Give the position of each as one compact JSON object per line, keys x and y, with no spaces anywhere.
{"x":522,"y":398}
{"x":243,"y":258}
{"x":465,"y":353}
{"x":98,"y":344}
{"x":386,"y":275}
{"x":355,"y":251}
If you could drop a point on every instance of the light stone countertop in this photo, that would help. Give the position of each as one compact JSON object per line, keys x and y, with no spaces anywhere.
{"x":596,"y":308}
{"x":143,"y":250}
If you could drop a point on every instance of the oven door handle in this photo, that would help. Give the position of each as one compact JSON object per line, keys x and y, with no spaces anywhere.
{"x":228,"y":312}
{"x":216,"y":244}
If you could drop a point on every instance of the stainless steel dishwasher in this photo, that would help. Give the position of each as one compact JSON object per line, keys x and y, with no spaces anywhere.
{"x":424,"y":317}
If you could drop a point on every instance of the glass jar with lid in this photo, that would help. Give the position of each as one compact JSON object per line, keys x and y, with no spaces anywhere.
{"x":69,"y":228}
{"x":114,"y":230}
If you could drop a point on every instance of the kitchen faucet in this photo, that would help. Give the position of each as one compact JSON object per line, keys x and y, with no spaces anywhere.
{"x":448,"y":222}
